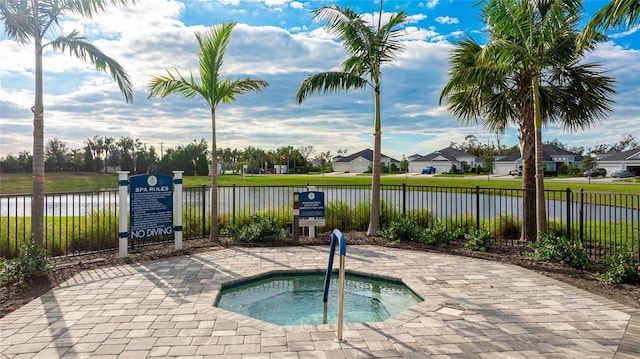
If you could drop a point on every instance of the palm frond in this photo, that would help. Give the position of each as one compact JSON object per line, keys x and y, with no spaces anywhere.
{"x":162,"y":86}
{"x":578,"y":95}
{"x":80,"y":48}
{"x":326,"y":82}
{"x":88,"y":8}
{"x":227,"y":90}
{"x":213,"y":45}
{"x":616,"y":14}
{"x":17,"y":17}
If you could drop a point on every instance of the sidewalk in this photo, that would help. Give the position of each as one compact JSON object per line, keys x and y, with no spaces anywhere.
{"x":472,"y":308}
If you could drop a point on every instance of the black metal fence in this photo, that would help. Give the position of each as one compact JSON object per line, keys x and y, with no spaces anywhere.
{"x":82,"y":222}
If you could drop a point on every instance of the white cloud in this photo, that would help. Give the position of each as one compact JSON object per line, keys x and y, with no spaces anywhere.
{"x":446,"y":20}
{"x":631,"y":31}
{"x":415,"y":33}
{"x":296,"y":5}
{"x":415,"y":18}
{"x":432,"y":4}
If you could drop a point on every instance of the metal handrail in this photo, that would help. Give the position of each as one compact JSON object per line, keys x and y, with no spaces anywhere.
{"x":336,"y":235}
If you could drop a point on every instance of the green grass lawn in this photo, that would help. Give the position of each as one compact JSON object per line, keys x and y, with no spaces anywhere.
{"x":20,"y":183}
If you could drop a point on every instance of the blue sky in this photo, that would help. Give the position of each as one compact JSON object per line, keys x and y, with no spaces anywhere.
{"x":276,"y":41}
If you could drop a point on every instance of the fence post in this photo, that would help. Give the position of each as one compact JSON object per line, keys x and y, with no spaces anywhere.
{"x":177,"y":209}
{"x":233,"y":204}
{"x":568,"y":199}
{"x":404,"y":200}
{"x":477,"y":208}
{"x":123,"y":183}
{"x":581,"y":215}
{"x":203,"y":200}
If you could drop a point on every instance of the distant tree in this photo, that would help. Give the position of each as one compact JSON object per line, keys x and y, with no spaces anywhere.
{"x":202,"y":165}
{"x":306,"y":152}
{"x":627,"y":142}
{"x":77,"y":158}
{"x":9,"y":164}
{"x":325,"y":161}
{"x":56,"y":155}
{"x":127,"y":148}
{"x":146,"y":160}
{"x":404,"y":164}
{"x":589,"y":162}
{"x":555,"y":142}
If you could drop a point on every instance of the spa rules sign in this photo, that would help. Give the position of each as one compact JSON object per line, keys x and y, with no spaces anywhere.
{"x":151,"y":201}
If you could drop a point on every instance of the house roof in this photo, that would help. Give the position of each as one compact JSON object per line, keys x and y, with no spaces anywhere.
{"x":631,"y":154}
{"x":449,"y":153}
{"x":366,"y":154}
{"x":548,"y":152}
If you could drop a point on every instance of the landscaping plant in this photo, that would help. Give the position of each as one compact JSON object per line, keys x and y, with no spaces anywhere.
{"x":261,"y":228}
{"x":402,"y":229}
{"x":560,"y":249}
{"x":30,"y":262}
{"x":478,"y":240}
{"x":622,"y":267}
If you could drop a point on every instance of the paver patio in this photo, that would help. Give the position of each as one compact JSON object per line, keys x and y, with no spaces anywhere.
{"x":472,"y":308}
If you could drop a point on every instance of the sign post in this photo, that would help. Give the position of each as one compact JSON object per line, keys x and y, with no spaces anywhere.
{"x":123,"y":232}
{"x":177,"y":209}
{"x":295,"y":227}
{"x":312,"y":210}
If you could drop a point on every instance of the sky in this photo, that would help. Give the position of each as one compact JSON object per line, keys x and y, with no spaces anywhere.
{"x":279,"y":42}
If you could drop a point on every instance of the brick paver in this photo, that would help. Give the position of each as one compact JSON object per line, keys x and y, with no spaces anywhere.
{"x":472,"y":308}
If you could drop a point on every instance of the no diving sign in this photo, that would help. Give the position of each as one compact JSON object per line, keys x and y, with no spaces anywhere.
{"x":151,"y":200}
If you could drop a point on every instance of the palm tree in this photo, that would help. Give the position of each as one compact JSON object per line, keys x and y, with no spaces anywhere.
{"x":369,"y":47}
{"x":212,"y":88}
{"x":616,"y":14}
{"x":29,"y":21}
{"x":528,"y":74}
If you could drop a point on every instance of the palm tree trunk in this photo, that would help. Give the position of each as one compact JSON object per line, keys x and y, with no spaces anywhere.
{"x":213,"y":233}
{"x":541,"y":212}
{"x":37,"y":201}
{"x":374,"y":217}
{"x":527,"y":153}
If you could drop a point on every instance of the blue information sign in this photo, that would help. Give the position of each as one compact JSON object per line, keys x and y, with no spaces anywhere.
{"x":151,"y":201}
{"x":312,"y":204}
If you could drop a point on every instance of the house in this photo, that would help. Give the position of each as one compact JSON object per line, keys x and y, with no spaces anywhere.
{"x":553,"y":158}
{"x":443,"y":160}
{"x":359,"y":162}
{"x":627,"y":160}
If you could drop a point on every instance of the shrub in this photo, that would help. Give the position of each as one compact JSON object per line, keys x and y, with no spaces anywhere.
{"x":560,"y":249}
{"x":478,"y":240}
{"x":30,"y":262}
{"x":402,"y":229}
{"x":260,"y":228}
{"x":440,"y":235}
{"x":622,"y":267}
